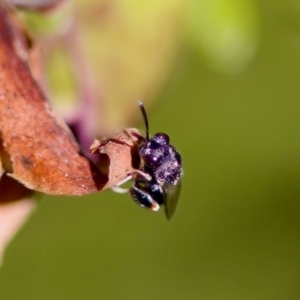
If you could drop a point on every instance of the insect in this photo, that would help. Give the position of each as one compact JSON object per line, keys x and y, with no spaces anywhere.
{"x":157,"y":182}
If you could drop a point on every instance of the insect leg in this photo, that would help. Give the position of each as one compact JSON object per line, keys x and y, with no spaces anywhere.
{"x":134,"y":173}
{"x":143,"y":198}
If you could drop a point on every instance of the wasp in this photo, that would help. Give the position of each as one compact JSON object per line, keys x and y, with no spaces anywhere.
{"x":157,"y":182}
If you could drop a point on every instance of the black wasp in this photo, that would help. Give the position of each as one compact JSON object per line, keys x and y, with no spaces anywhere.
{"x":157,"y":182}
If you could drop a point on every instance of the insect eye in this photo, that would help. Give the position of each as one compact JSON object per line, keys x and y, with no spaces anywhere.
{"x":161,"y":139}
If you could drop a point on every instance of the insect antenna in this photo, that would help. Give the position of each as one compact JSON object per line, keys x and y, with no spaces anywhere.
{"x":142,"y":108}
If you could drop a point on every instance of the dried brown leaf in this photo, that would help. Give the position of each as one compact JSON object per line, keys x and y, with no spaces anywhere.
{"x":12,"y":217}
{"x":16,"y":205}
{"x":38,"y":149}
{"x":1,"y":169}
{"x":118,"y":155}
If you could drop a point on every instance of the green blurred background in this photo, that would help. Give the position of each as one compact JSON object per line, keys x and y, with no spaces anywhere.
{"x":229,"y":98}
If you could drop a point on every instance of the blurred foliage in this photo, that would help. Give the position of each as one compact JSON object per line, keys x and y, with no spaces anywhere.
{"x":224,"y":75}
{"x":224,"y":31}
{"x":134,"y":45}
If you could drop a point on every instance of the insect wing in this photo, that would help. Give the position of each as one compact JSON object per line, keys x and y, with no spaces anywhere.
{"x":172,"y":193}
